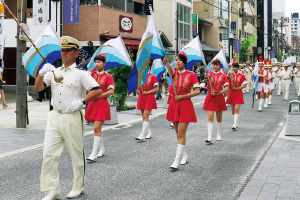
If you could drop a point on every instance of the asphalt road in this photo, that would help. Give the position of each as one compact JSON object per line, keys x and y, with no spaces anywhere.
{"x":131,"y":170}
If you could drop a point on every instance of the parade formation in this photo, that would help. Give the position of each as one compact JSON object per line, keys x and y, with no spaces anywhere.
{"x":225,"y":82}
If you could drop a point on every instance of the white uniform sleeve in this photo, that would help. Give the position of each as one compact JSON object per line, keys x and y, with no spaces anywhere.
{"x":87,"y":81}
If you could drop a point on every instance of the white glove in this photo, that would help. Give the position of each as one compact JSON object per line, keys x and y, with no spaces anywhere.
{"x":74,"y":105}
{"x":46,"y":68}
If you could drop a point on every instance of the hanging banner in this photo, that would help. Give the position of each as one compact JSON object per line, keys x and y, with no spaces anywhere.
{"x":237,"y":46}
{"x":195,"y":24}
{"x":22,"y":35}
{"x":40,"y":12}
{"x":71,"y":11}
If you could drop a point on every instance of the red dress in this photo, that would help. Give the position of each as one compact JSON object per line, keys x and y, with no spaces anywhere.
{"x":99,"y":109}
{"x":216,"y":103}
{"x":182,"y":111}
{"x":236,"y":97}
{"x":147,"y":102}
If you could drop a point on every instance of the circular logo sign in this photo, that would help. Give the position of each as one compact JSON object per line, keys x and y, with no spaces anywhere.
{"x":126,"y":23}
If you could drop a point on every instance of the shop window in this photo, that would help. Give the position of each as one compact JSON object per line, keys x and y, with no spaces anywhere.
{"x":184,"y":15}
{"x":88,"y":2}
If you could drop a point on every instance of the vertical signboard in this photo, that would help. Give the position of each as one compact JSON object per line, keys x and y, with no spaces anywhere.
{"x":225,"y":46}
{"x":40,"y":12}
{"x":237,"y":46}
{"x":71,"y":11}
{"x":195,"y":24}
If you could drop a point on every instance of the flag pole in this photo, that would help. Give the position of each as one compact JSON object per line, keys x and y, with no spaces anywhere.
{"x":172,"y":83}
{"x":208,"y":77}
{"x":24,"y":31}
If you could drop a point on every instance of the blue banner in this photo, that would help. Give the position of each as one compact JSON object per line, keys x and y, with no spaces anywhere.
{"x":71,"y":11}
{"x":237,"y":46}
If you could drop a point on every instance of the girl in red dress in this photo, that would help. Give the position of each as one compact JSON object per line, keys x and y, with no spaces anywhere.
{"x":235,"y":98}
{"x":181,"y":109}
{"x":98,"y":110}
{"x":214,"y":101}
{"x":146,"y":102}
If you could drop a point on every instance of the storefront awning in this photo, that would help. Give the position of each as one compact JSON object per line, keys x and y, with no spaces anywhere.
{"x":208,"y":48}
{"x":169,"y":51}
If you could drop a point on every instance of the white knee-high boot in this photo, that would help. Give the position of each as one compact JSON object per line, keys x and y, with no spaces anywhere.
{"x":266,"y":102}
{"x":102,"y":149}
{"x":149,"y":132}
{"x":261,"y":101}
{"x":270,"y":100}
{"x":210,"y":126}
{"x":179,"y":152}
{"x":185,"y":156}
{"x":97,"y":141}
{"x":235,"y":121}
{"x":144,"y":132}
{"x":219,"y":131}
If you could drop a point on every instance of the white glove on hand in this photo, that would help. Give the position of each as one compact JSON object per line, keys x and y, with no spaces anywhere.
{"x":74,"y":105}
{"x":46,"y":68}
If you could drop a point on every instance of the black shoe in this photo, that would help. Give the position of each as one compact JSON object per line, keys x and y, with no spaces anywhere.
{"x":208,"y":141}
{"x":40,"y":100}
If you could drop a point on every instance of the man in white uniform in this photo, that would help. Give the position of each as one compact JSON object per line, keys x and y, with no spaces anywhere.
{"x":277,"y":72}
{"x":285,"y":77}
{"x":248,"y":76}
{"x":65,"y":124}
{"x":297,"y":78}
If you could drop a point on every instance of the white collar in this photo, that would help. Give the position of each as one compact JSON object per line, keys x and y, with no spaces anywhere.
{"x":217,"y":72}
{"x":73,"y":66}
{"x":182,"y":71}
{"x":100,"y":72}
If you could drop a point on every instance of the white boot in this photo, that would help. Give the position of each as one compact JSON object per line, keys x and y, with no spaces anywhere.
{"x":53,"y":194}
{"x":179,"y":152}
{"x":102,"y":149}
{"x":97,"y":141}
{"x":270,"y":100}
{"x":261,"y":101}
{"x":144,"y":132}
{"x":185,"y":156}
{"x":210,"y":126}
{"x":235,"y":121}
{"x":266,"y":102}
{"x":149,"y":133}
{"x":219,"y":131}
{"x":256,"y":97}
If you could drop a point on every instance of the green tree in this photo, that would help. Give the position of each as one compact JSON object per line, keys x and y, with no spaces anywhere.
{"x":120,"y":75}
{"x":280,"y":57}
{"x":243,"y":57}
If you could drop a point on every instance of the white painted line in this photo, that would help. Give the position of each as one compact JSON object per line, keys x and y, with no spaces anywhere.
{"x":126,"y":124}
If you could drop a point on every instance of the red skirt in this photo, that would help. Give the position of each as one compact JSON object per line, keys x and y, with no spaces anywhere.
{"x":214,"y":103}
{"x":235,"y":97}
{"x":98,"y":110}
{"x":182,"y":111}
{"x":146,"y":102}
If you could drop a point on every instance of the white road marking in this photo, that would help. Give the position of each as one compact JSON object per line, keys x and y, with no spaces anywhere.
{"x":115,"y":127}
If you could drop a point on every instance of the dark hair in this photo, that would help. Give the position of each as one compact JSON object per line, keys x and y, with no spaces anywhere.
{"x":236,"y":65}
{"x":216,"y":62}
{"x":101,"y":58}
{"x":182,"y":58}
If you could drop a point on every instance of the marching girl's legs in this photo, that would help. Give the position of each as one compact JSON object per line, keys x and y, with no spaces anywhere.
{"x":235,"y":109}
{"x":146,"y":127}
{"x":98,"y":141}
{"x":180,"y":128}
{"x":210,"y":125}
{"x":260,"y":96}
{"x":270,"y":97}
{"x":219,"y":125}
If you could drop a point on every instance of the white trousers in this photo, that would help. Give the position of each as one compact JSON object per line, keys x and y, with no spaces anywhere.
{"x":248,"y":86}
{"x":297,"y":82}
{"x":278,"y":85}
{"x":286,"y":88}
{"x":63,"y":129}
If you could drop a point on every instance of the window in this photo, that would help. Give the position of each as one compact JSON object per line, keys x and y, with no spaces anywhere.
{"x":29,"y":3}
{"x":132,"y":6}
{"x":116,"y":4}
{"x":221,"y":37}
{"x":88,"y":2}
{"x":184,"y":20}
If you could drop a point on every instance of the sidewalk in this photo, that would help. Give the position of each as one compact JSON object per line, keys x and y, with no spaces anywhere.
{"x":15,"y":140}
{"x":277,"y":175}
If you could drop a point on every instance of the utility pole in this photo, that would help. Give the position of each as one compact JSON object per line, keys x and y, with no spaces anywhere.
{"x":243,"y":18}
{"x":21,"y":84}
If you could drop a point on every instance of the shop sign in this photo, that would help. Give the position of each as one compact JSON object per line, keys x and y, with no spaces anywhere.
{"x":125,"y":24}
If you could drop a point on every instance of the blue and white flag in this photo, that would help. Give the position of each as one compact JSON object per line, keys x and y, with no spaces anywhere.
{"x":115,"y":52}
{"x":150,"y":48}
{"x":158,"y":68}
{"x":221,"y":56}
